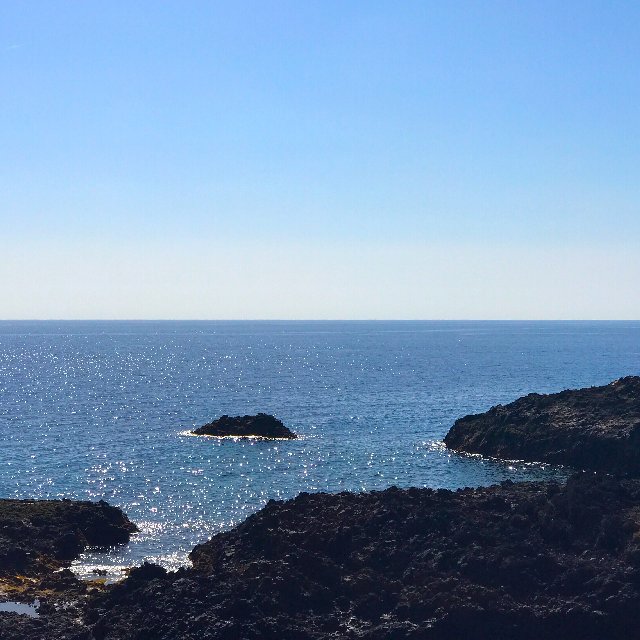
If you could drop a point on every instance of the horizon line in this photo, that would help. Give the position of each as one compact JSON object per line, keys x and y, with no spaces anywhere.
{"x":319,"y":319}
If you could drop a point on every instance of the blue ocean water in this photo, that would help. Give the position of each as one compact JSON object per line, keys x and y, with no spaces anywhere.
{"x":94,"y":410}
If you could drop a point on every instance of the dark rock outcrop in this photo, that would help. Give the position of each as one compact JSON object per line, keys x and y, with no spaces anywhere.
{"x":261,"y":425}
{"x":37,"y":539}
{"x":527,"y":561}
{"x":38,"y":536}
{"x":594,"y":428}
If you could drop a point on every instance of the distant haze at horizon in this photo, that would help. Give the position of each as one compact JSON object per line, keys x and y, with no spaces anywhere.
{"x":314,"y":283}
{"x":194,"y":160}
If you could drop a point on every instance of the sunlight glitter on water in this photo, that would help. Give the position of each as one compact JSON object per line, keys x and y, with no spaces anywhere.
{"x":104,"y":410}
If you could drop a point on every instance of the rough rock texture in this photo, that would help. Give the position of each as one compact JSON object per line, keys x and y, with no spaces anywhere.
{"x":37,"y":536}
{"x":62,"y":600}
{"x":594,"y":428}
{"x":526,"y":561}
{"x":261,"y":425}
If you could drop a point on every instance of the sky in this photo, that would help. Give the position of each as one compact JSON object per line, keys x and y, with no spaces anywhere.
{"x":319,"y":160}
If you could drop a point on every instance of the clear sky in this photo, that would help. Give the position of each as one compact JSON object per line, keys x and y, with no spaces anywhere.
{"x":320,"y":159}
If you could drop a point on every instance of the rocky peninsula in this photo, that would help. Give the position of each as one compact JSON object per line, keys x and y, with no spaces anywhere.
{"x":261,"y":425}
{"x":595,"y":428}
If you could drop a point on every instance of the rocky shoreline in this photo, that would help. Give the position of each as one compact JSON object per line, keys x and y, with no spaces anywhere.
{"x":38,"y":537}
{"x":38,"y":541}
{"x":526,"y":561}
{"x":595,"y":428}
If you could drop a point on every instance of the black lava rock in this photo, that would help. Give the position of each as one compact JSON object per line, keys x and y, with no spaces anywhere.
{"x":528,"y":560}
{"x":595,"y":428}
{"x":260,"y":425}
{"x":38,"y":536}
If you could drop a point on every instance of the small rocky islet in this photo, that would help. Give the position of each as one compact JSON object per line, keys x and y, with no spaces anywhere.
{"x":260,"y":425}
{"x":529,"y":560}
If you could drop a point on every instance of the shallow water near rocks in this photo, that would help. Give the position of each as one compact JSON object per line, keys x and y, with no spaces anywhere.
{"x":103,"y":410}
{"x":20,"y":608}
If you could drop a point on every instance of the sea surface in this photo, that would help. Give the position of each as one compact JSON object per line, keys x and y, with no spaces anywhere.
{"x":102,"y":410}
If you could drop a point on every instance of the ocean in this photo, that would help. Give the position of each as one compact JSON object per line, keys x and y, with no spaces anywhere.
{"x":103,"y":409}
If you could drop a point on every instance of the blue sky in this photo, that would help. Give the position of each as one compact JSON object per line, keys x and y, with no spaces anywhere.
{"x":320,"y":159}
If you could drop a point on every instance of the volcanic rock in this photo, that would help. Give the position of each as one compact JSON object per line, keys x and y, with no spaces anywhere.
{"x":38,"y":536}
{"x":529,"y":561}
{"x":260,"y":425}
{"x":594,"y":428}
